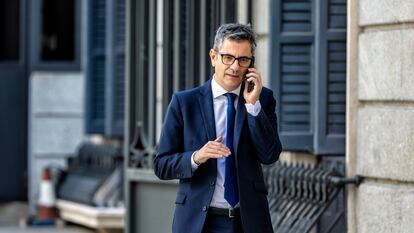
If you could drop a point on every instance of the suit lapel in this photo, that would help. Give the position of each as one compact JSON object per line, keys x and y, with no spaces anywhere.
{"x":239,"y":122}
{"x":207,"y":110}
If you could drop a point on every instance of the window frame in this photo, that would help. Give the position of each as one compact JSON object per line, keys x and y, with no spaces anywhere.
{"x":36,"y":63}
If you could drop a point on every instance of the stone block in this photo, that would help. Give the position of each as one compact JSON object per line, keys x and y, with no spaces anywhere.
{"x":242,"y":10}
{"x":385,"y":145}
{"x":386,"y":65}
{"x":385,"y":208}
{"x":385,"y":12}
{"x":261,"y":10}
{"x":57,"y":135}
{"x":262,"y":59}
{"x":57,"y":92}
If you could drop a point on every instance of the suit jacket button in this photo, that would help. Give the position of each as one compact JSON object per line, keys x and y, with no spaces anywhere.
{"x":212,"y":183}
{"x":204,"y":208}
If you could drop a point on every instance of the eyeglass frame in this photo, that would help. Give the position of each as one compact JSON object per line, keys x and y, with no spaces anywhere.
{"x":236,"y":58}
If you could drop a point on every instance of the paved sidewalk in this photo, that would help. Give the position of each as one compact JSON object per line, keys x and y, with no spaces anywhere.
{"x":67,"y":229}
{"x":13,"y":213}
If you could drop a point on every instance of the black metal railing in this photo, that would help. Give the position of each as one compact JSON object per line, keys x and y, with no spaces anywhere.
{"x":141,"y":152}
{"x":299,"y":195}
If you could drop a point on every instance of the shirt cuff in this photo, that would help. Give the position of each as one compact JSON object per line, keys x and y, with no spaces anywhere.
{"x":194,"y":166}
{"x":254,"y":109}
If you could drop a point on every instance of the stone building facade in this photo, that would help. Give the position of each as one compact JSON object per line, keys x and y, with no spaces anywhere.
{"x":380,"y":115}
{"x":380,"y":111}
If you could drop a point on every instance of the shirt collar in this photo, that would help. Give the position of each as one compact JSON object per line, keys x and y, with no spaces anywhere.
{"x":219,"y":90}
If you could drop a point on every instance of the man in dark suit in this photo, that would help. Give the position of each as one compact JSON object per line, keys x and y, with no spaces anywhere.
{"x":215,"y":138}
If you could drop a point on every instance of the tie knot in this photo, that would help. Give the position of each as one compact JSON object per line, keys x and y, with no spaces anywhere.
{"x":230,"y":96}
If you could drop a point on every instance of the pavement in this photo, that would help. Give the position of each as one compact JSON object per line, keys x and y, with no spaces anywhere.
{"x":68,"y":229}
{"x":14,"y":214}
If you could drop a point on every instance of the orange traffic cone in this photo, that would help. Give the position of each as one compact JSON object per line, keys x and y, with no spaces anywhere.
{"x":47,"y":198}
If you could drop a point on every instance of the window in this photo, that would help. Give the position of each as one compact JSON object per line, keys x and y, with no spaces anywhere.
{"x":9,"y":30}
{"x":58,"y":30}
{"x":55,"y":31}
{"x":106,"y":67}
{"x":308,"y":39}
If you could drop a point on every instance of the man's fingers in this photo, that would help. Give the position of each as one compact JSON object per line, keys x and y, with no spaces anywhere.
{"x":217,"y":145}
{"x":219,"y":150}
{"x":216,"y":155}
{"x":216,"y":149}
{"x":218,"y":139}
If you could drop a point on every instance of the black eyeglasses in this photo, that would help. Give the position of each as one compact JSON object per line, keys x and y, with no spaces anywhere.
{"x":229,"y":59}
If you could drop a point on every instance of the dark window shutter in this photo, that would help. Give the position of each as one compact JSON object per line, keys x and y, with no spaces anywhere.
{"x":114,"y":122}
{"x":336,"y":87}
{"x":337,"y":14}
{"x":296,"y":16}
{"x":331,"y":81}
{"x":95,"y":94}
{"x":309,"y":74}
{"x":293,"y":42}
{"x":106,"y":69}
{"x":295,"y":87}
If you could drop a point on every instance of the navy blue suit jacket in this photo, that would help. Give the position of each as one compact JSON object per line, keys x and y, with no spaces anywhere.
{"x":188,"y":125}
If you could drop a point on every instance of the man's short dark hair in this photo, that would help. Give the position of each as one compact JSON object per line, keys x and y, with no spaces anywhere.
{"x":234,"y":31}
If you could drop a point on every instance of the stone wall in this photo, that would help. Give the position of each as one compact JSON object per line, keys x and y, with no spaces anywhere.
{"x":56,"y":123}
{"x":261,"y":24}
{"x":381,"y":115}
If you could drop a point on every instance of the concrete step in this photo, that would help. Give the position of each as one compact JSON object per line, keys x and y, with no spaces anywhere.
{"x":69,"y":229}
{"x":11,"y":213}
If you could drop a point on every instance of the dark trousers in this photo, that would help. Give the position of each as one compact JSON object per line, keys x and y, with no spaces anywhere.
{"x":222,"y":224}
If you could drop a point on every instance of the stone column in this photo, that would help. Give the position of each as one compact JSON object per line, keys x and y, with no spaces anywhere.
{"x":381,"y":118}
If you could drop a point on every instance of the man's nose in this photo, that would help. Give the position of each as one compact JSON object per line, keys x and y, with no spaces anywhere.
{"x":235,"y":65}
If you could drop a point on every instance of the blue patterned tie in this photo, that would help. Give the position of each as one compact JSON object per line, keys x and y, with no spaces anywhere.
{"x":231,"y":193}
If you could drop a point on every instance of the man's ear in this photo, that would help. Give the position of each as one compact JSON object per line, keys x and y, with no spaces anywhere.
{"x":213,"y":57}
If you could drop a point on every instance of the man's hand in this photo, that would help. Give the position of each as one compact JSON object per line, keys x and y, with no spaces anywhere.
{"x":253,"y":76}
{"x":212,"y":149}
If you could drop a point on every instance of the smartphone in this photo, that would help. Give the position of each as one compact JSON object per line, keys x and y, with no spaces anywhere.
{"x":250,"y":85}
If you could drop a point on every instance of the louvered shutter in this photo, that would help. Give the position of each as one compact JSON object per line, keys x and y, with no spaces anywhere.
{"x":115,"y":70}
{"x":309,"y":56}
{"x":331,"y":81}
{"x":95,"y":103}
{"x":106,"y":69}
{"x":293,"y":41}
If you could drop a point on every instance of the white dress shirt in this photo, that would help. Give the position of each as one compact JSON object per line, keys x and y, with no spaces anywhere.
{"x":220,"y":118}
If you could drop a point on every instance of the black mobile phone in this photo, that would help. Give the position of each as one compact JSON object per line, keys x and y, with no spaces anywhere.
{"x":250,"y":85}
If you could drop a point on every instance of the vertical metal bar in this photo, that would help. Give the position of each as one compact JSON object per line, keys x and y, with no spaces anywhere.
{"x":250,"y":11}
{"x":129,"y":106}
{"x":152,"y":63}
{"x":140,"y":62}
{"x":168,"y":27}
{"x":203,"y":48}
{"x":229,"y":11}
{"x":196,"y":43}
{"x":176,"y":46}
{"x":190,"y":57}
{"x":109,"y":68}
